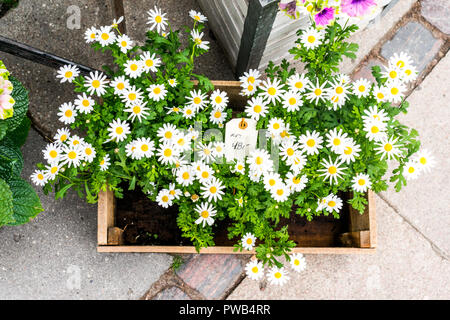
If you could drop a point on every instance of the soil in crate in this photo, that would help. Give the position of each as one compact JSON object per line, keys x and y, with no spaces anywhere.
{"x":146,"y":223}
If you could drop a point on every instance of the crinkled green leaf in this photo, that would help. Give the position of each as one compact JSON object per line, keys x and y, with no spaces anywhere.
{"x":25,"y":201}
{"x":20,"y":95}
{"x":11,"y":161}
{"x":19,"y":136}
{"x":6,"y":204}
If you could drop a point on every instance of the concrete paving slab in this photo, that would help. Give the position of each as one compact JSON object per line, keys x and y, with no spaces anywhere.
{"x":437,"y":13}
{"x":425,"y":202}
{"x":369,"y":37}
{"x":55,"y":257}
{"x":403,"y":267}
{"x":56,"y":26}
{"x":212,"y":64}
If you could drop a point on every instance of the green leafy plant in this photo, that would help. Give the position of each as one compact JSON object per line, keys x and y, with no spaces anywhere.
{"x":320,"y":135}
{"x":19,"y":203}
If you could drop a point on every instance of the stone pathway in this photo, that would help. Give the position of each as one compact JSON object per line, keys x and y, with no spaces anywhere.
{"x":412,"y":259}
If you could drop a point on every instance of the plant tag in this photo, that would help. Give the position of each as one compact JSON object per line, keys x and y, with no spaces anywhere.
{"x":241,"y":137}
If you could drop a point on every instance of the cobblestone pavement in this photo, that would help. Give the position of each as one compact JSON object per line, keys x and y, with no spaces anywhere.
{"x":412,"y":258}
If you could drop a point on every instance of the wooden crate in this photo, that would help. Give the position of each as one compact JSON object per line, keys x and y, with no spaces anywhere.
{"x":359,"y":237}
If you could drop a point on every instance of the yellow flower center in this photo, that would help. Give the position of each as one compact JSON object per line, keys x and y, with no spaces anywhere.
{"x":188,"y":112}
{"x":250,"y":88}
{"x":348,"y":150}
{"x":272,"y":91}
{"x":158,"y":19}
{"x":388,"y":147}
{"x":40,"y":176}
{"x":167,"y":152}
{"x":124,"y":43}
{"x":292,"y":101}
{"x":332,"y":170}
{"x":157,"y":90}
{"x":361,"y":88}
{"x":296,"y":262}
{"x":336,"y":141}
{"x":168,"y":135}
{"x":132,"y":96}
{"x":186,"y":176}
{"x":53,"y":170}
{"x":272,"y":182}
{"x":53,"y":154}
{"x":218,"y":99}
{"x":423,"y":160}
{"x":318,"y":92}
{"x":277,"y":275}
{"x":144,"y":147}
{"x":380,"y":95}
{"x":290,"y":151}
{"x":259,"y":160}
{"x":339,"y":90}
{"x":213,"y":189}
{"x":249,"y":241}
{"x":96,"y":84}
{"x":68,"y":113}
{"x":197,"y":100}
{"x":400,"y":64}
{"x":68,"y":74}
{"x":280,"y":192}
{"x":85,"y":103}
{"x":331,"y":203}
{"x":165,"y":199}
{"x":299,"y":84}
{"x":205,"y":174}
{"x":311,"y":143}
{"x":88,"y":151}
{"x":361,"y":182}
{"x":218,"y":114}
{"x":311,"y":39}
{"x":63,"y":138}
{"x":255,"y":269}
{"x":251,"y":79}
{"x":72,"y":155}
{"x":411,"y":169}
{"x":408,"y":72}
{"x":374,"y":129}
{"x":393,"y":74}
{"x":136,"y":109}
{"x":120,"y":86}
{"x":276,"y":126}
{"x":149,"y":63}
{"x":394,"y":90}
{"x":205,"y":214}
{"x":119,"y":130}
{"x":105,"y":36}
{"x":134,"y":67}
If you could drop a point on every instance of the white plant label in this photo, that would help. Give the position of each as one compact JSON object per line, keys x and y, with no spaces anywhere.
{"x":241,"y":137}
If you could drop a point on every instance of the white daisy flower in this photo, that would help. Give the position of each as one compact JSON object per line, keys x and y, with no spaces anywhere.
{"x":39,"y":178}
{"x":239,"y":167}
{"x":197,"y":100}
{"x":374,"y":114}
{"x":254,"y":270}
{"x":250,"y":77}
{"x":150,"y":62}
{"x":343,"y":78}
{"x":197,"y":16}
{"x":248,"y":90}
{"x":298,"y":262}
{"x":259,"y":161}
{"x":132,"y":96}
{"x":172,"y":82}
{"x":52,"y":152}
{"x":219,"y":99}
{"x":138,"y":110}
{"x":205,"y":152}
{"x":298,"y":82}
{"x":52,"y":170}
{"x":68,"y":73}
{"x":167,"y":132}
{"x":157,"y":19}
{"x":334,"y":203}
{"x":425,"y":160}
{"x":272,"y":90}
{"x":332,"y":170}
{"x":271,"y":180}
{"x":96,"y":83}
{"x":411,"y":170}
{"x":189,"y":112}
{"x":391,"y":72}
{"x":379,"y":93}
{"x":409,"y":73}
{"x":375,"y":130}
{"x":125,"y":43}
{"x":388,"y":148}
{"x":311,"y":142}
{"x":288,"y":150}
{"x":350,"y":151}
{"x":217,"y":116}
{"x":67,"y":113}
{"x":84,"y":104}
{"x":90,"y":35}
{"x":133,"y":68}
{"x":105,"y":36}
{"x":182,"y":141}
{"x":335,"y":140}
{"x":212,"y":189}
{"x":218,"y":149}
{"x":75,"y":141}
{"x":145,"y":146}
{"x":316,"y":93}
{"x":361,"y":182}
{"x":292,"y":101}
{"x":164,"y":198}
{"x":88,"y":152}
{"x":206,"y":211}
{"x":197,"y":38}
{"x":361,"y":88}
{"x":186,"y":175}
{"x":280,"y":192}
{"x":338,"y":94}
{"x":395,"y":91}
{"x":167,"y":153}
{"x":296,"y":183}
{"x":205,"y":173}
{"x":132,"y":151}
{"x":157,"y":92}
{"x":275,"y":126}
{"x":118,"y":130}
{"x":311,"y":38}
{"x":174,"y":192}
{"x":298,"y":162}
{"x":61,"y":136}
{"x":248,"y":241}
{"x":72,"y":155}
{"x":400,"y":60}
{"x":120,"y":84}
{"x":277,"y":276}
{"x":116,"y":22}
{"x":104,"y":163}
{"x":256,"y":108}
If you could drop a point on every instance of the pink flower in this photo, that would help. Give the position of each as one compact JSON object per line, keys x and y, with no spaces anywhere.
{"x":290,"y":7}
{"x":356,"y":8}
{"x":324,"y":17}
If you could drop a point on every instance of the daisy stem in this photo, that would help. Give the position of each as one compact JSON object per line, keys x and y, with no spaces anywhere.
{"x":192,"y":55}
{"x":65,"y":177}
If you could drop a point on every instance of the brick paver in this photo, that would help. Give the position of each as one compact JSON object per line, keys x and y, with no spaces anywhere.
{"x":437,"y":12}
{"x":172,"y":293}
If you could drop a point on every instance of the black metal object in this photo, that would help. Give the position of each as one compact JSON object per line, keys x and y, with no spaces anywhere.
{"x":258,"y":24}
{"x":27,"y":52}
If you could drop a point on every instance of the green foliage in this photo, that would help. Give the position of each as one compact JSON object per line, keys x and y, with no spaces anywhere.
{"x":19,"y":202}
